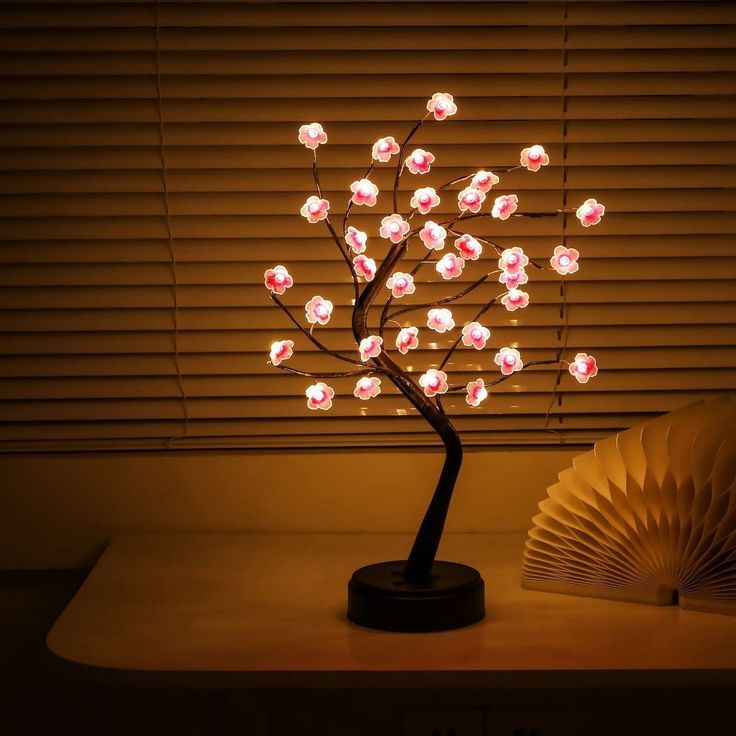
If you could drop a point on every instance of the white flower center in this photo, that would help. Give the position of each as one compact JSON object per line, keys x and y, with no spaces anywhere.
{"x":588,"y":210}
{"x":279,"y":278}
{"x":313,"y":133}
{"x":318,"y":394}
{"x":314,"y":207}
{"x":533,"y":155}
{"x":401,"y":283}
{"x":424,"y":198}
{"x":365,"y":383}
{"x":441,"y":105}
{"x":435,"y":233}
{"x":512,"y":259}
{"x":476,"y":333}
{"x":509,"y":360}
{"x":434,"y":381}
{"x":365,"y":191}
{"x":582,"y":367}
{"x":394,"y":227}
{"x":320,"y":310}
{"x":471,"y":196}
{"x":439,"y":319}
{"x":383,"y":146}
{"x":419,"y":158}
{"x":564,"y":261}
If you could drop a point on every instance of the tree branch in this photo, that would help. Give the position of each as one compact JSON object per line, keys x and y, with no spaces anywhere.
{"x":339,"y":374}
{"x":400,"y":162}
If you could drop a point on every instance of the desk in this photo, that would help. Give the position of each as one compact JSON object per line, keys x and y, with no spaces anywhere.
{"x":268,"y":611}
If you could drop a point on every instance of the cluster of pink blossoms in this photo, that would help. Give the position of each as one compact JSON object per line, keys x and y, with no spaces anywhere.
{"x":511,"y":263}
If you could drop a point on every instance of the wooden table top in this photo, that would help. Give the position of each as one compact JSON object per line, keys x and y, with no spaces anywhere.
{"x":268,"y":611}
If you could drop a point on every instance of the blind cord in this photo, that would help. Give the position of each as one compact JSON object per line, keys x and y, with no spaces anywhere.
{"x":170,"y":237}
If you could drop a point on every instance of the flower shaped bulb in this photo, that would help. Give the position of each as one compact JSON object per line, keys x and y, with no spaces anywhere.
{"x":440,"y":319}
{"x":475,"y":335}
{"x":470,"y":199}
{"x":356,"y":239}
{"x":505,"y":206}
{"x":476,"y":392}
{"x":515,"y":299}
{"x":364,"y":192}
{"x":370,"y":347}
{"x":583,"y":368}
{"x":442,"y":105}
{"x":318,"y":310}
{"x":470,"y":249}
{"x":365,"y":267}
{"x":433,"y":235}
{"x":401,"y":284}
{"x":312,"y":135}
{"x":367,"y":388}
{"x":419,"y":161}
{"x":424,"y":199}
{"x":590,"y":212}
{"x":433,"y":382}
{"x":281,"y":350}
{"x":565,"y":260}
{"x":450,"y":266}
{"x":509,"y":360}
{"x":407,"y":340}
{"x":484,"y":181}
{"x":277,"y":279}
{"x":513,"y":259}
{"x":384,"y":148}
{"x":512,"y":280}
{"x":319,"y":396}
{"x":394,"y":228}
{"x":315,"y":209}
{"x":533,"y":158}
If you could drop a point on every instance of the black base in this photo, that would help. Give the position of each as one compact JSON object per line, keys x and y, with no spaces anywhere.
{"x":380,"y":597}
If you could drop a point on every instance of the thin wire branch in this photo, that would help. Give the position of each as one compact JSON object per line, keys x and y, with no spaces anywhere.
{"x":503,"y":378}
{"x":310,"y":336}
{"x":480,"y":313}
{"x":400,"y":162}
{"x":350,"y":201}
{"x":339,"y":374}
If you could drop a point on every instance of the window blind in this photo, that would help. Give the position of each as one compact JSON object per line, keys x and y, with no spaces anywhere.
{"x":124,"y":328}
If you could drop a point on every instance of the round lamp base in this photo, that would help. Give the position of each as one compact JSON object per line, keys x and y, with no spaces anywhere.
{"x":380,"y":597}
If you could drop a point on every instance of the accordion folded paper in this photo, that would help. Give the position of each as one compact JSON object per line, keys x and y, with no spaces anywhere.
{"x":648,"y":516}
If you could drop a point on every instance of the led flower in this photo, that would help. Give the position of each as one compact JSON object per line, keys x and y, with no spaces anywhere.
{"x":312,"y":135}
{"x":470,"y":199}
{"x":315,"y":209}
{"x":433,"y":235}
{"x":281,"y":350}
{"x":370,"y":347}
{"x":590,"y":212}
{"x":277,"y":279}
{"x":512,"y":280}
{"x":394,"y":227}
{"x":565,"y":260}
{"x":475,"y":335}
{"x":401,"y":284}
{"x":424,"y":199}
{"x":433,"y":382}
{"x":470,"y":249}
{"x":533,"y":158}
{"x":513,"y":259}
{"x":319,"y":396}
{"x":364,"y":192}
{"x":583,"y":367}
{"x":419,"y":161}
{"x":318,"y":310}
{"x":442,"y":105}
{"x":477,"y":392}
{"x":407,"y":340}
{"x":484,"y":180}
{"x":356,"y":239}
{"x":515,"y":299}
{"x":384,"y":148}
{"x":367,"y":388}
{"x":440,"y":320}
{"x":450,"y":266}
{"x":505,"y":206}
{"x":365,"y":267}
{"x":509,"y":360}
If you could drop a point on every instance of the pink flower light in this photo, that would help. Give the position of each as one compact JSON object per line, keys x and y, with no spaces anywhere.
{"x":433,"y":382}
{"x":281,"y":350}
{"x":475,"y":335}
{"x":513,"y":259}
{"x":315,"y":209}
{"x":470,"y":249}
{"x":590,"y":212}
{"x":356,"y":239}
{"x":370,"y":347}
{"x":515,"y":299}
{"x":407,"y":340}
{"x":477,"y":392}
{"x":419,"y":161}
{"x":442,"y":105}
{"x":470,"y":199}
{"x":424,"y":199}
{"x":484,"y":181}
{"x":583,"y":368}
{"x":440,"y":320}
{"x":277,"y":279}
{"x":384,"y":148}
{"x":365,"y":267}
{"x":450,"y":266}
{"x":318,"y":310}
{"x":512,"y":280}
{"x":312,"y":135}
{"x":533,"y":158}
{"x":394,"y":227}
{"x":319,"y":396}
{"x":505,"y":206}
{"x":433,"y":235}
{"x":401,"y":284}
{"x":367,"y":388}
{"x":364,"y":192}
{"x":565,"y":260}
{"x":509,"y":360}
